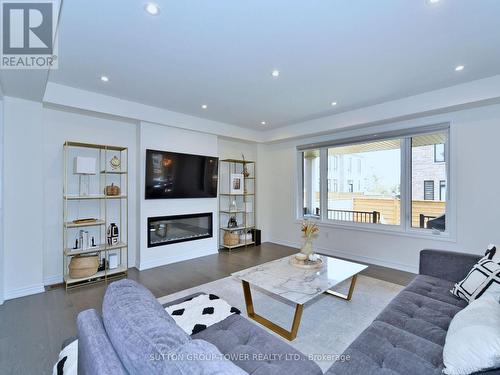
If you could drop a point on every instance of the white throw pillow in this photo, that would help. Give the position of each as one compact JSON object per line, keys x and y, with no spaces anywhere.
{"x":483,"y":279}
{"x":198,"y":313}
{"x":473,"y":338}
{"x":68,"y":360}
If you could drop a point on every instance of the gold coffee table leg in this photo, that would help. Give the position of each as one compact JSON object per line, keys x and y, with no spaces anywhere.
{"x":289,"y":335}
{"x":349,"y":294}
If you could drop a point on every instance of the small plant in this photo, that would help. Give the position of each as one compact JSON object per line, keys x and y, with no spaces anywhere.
{"x":310,"y":230}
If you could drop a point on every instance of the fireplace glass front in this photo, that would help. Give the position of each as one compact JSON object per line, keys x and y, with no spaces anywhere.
{"x":165,"y":230}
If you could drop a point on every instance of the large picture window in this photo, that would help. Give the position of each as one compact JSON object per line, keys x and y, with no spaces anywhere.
{"x":387,"y":180}
{"x":372,"y":193}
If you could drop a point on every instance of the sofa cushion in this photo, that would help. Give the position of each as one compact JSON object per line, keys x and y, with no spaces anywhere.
{"x":138,"y":326}
{"x":383,"y":349}
{"x":197,"y":357}
{"x":420,"y":315}
{"x":255,"y":350}
{"x":435,"y":288}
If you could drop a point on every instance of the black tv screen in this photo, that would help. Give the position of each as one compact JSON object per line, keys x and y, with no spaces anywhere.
{"x":175,"y":175}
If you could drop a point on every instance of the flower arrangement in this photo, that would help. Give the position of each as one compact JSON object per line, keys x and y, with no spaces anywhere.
{"x":309,"y":230}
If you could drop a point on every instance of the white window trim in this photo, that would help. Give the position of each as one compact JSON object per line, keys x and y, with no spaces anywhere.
{"x":404,"y":229}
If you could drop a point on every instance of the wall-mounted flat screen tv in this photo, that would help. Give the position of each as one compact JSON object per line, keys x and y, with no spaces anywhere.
{"x":175,"y":175}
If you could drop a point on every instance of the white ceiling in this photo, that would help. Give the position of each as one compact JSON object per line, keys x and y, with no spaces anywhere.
{"x":221,"y":53}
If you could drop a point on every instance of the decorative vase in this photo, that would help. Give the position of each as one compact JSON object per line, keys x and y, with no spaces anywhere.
{"x":233,"y":207}
{"x":307,"y":248}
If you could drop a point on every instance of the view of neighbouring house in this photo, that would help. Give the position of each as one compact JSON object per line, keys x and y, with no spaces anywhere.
{"x":364,"y":181}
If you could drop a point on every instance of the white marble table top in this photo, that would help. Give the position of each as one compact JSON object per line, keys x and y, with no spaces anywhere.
{"x":299,"y":285}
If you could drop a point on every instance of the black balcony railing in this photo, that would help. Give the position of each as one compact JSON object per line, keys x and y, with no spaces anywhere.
{"x":356,"y":216}
{"x":424,"y":219}
{"x":433,"y":222}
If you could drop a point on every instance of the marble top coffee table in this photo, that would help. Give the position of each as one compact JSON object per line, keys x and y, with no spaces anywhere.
{"x":296,"y":285}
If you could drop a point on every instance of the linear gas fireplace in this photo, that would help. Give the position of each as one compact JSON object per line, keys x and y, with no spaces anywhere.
{"x":165,"y":230}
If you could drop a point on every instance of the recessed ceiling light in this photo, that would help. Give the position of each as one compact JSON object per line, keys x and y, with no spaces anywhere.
{"x":152,"y":8}
{"x":432,"y":1}
{"x":105,"y":78}
{"x":333,"y":104}
{"x":459,"y":68}
{"x":275,"y":73}
{"x":263,"y":123}
{"x":204,"y":106}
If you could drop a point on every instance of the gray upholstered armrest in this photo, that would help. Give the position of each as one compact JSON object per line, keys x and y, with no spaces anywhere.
{"x":96,"y":355}
{"x":448,"y":265}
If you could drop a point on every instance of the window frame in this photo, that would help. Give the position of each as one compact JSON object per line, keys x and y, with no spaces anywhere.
{"x":436,"y":153}
{"x":405,"y":227}
{"x":300,"y":187}
{"x":442,"y":184}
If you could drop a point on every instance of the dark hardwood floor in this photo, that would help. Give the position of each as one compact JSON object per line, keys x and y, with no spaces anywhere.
{"x":32,"y":328}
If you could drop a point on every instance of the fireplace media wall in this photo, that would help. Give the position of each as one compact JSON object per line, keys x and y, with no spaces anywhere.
{"x":166,"y":230}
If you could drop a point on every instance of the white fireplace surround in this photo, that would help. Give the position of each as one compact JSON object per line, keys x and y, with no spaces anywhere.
{"x":160,"y":137}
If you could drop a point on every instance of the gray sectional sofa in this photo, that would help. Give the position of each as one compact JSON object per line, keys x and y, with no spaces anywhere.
{"x":135,"y":331}
{"x":406,"y":338}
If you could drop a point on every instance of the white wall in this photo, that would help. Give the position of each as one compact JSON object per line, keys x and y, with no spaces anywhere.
{"x":233,"y":149}
{"x":160,"y":137}
{"x":60,"y":126}
{"x":2,"y":274}
{"x":475,"y":178}
{"x":23,"y":197}
{"x":33,"y":159}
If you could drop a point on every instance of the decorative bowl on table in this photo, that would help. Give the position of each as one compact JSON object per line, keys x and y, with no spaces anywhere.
{"x":301,"y":260}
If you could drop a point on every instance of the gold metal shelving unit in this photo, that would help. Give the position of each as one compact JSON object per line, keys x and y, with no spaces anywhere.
{"x":245,"y":202}
{"x":106,"y":209}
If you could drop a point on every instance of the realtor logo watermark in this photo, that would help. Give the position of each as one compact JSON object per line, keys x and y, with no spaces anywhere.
{"x":28,"y":34}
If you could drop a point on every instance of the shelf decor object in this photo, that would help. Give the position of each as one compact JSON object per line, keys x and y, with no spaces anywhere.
{"x":88,"y":255}
{"x":84,"y":167}
{"x":236,"y":203}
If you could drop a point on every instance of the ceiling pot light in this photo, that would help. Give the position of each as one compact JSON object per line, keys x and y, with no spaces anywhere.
{"x":105,"y":78}
{"x":275,"y":73}
{"x":432,"y":1}
{"x":204,"y":106}
{"x":263,"y":123}
{"x":459,"y":68}
{"x":152,"y":8}
{"x":333,"y":104}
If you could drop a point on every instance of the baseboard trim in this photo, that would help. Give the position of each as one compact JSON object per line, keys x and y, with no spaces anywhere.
{"x":25,"y":291}
{"x":158,"y":262}
{"x":359,"y":258}
{"x":51,"y":280}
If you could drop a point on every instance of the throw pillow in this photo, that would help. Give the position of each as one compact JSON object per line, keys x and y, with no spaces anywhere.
{"x":473,"y":338}
{"x":492,"y":253}
{"x":68,"y":360}
{"x":483,"y":279}
{"x":198,"y":313}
